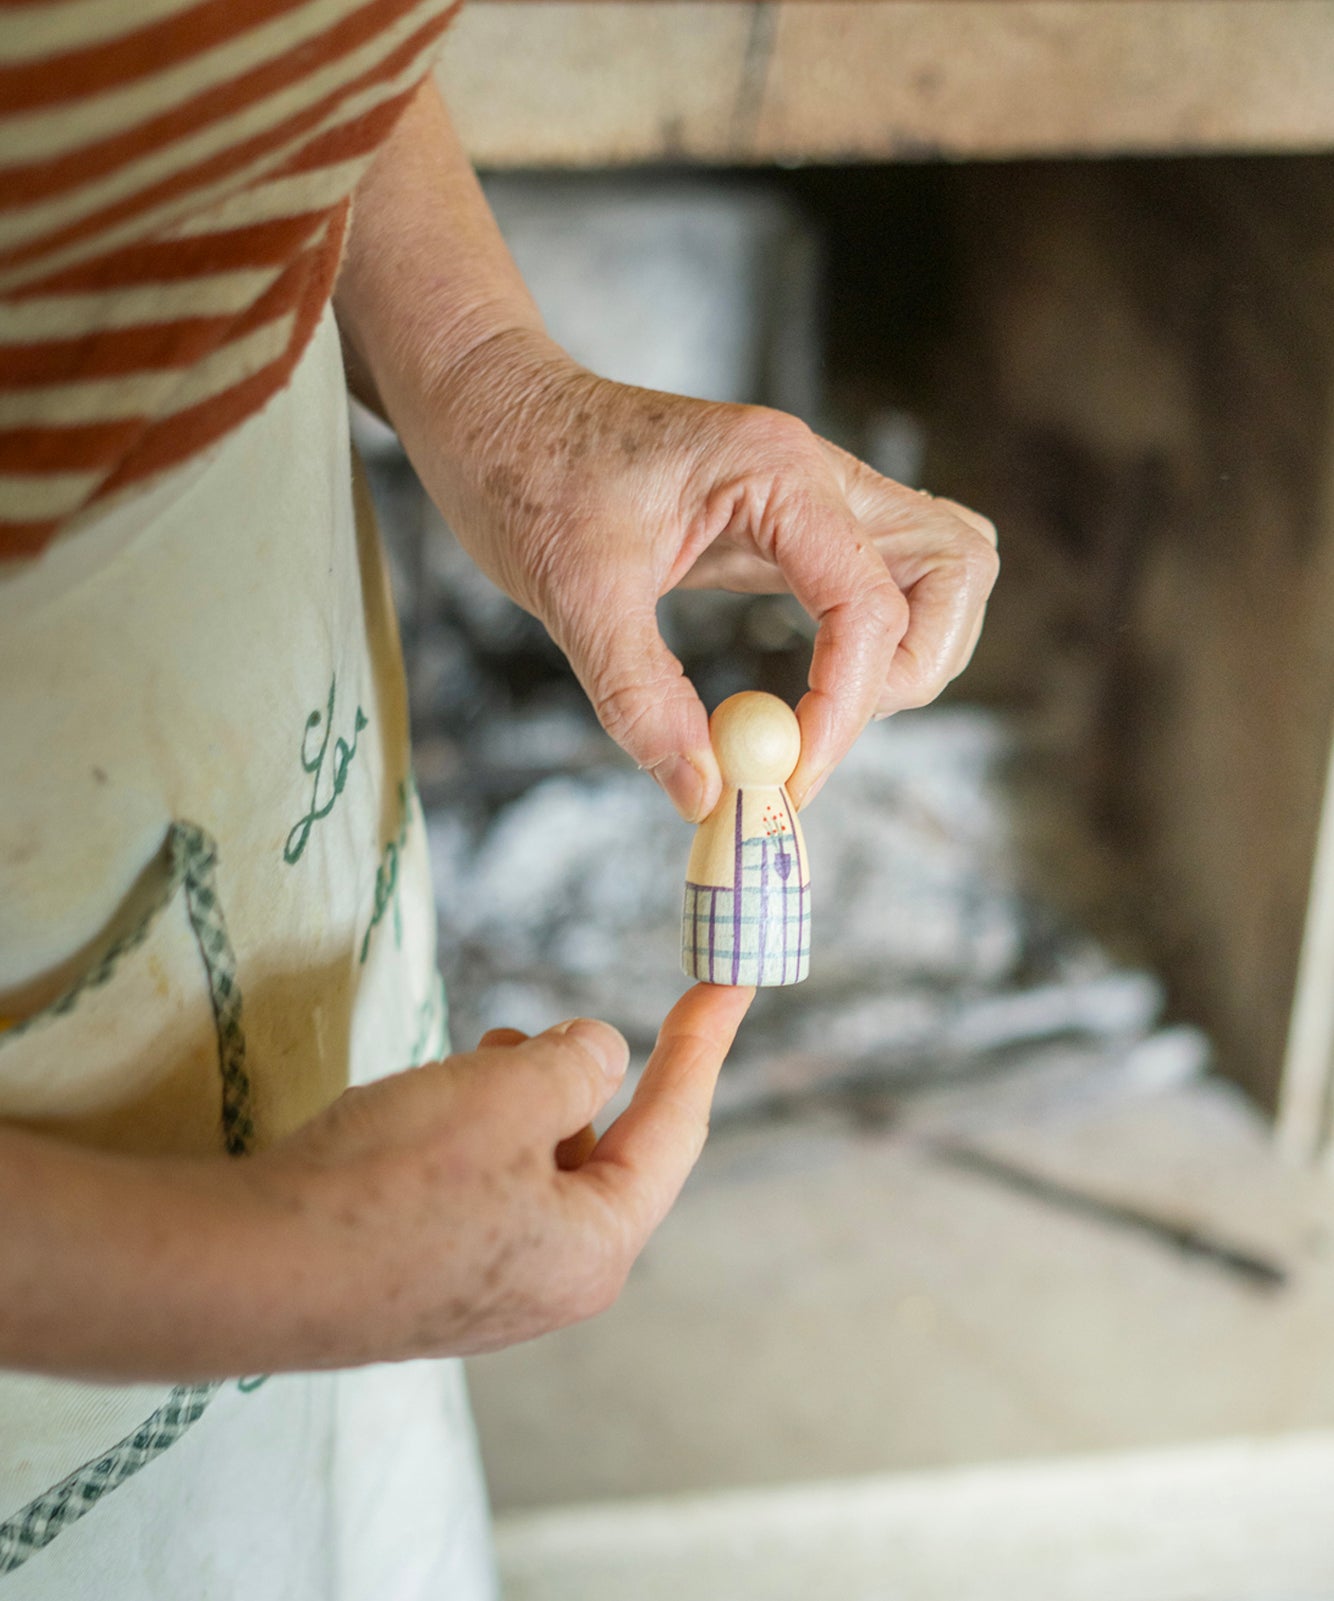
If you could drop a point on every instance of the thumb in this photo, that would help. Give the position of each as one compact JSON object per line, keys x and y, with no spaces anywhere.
{"x":649,"y":707}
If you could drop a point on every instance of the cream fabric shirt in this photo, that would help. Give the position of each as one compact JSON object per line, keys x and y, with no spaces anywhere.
{"x":215,"y":912}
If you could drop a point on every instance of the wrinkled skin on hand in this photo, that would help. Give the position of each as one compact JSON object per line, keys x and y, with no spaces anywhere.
{"x":588,"y":500}
{"x":468,"y":1204}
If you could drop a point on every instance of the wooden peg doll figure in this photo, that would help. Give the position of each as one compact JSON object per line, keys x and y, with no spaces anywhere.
{"x":747,"y":915}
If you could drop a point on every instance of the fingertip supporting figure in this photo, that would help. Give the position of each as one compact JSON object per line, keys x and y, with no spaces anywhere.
{"x":747,"y":914}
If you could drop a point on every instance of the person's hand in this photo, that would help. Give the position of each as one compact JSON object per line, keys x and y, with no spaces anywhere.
{"x":587,"y":500}
{"x":466,"y":1205}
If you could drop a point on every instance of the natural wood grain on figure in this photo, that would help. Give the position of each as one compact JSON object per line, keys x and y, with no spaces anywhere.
{"x":746,"y":918}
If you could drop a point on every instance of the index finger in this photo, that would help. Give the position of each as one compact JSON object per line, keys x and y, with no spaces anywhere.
{"x":940,"y":558}
{"x":835,"y":572}
{"x":646,"y":1155}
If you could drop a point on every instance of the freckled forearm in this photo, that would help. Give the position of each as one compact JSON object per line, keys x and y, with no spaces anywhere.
{"x":444,"y":341}
{"x":427,"y":277}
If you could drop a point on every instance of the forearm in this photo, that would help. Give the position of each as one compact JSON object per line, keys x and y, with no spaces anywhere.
{"x":445,"y":342}
{"x":126,"y":1268}
{"x":427,"y":279}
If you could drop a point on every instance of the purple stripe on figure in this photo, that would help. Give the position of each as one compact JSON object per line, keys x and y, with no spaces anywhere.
{"x":801,"y":877}
{"x":713,"y":936}
{"x":764,"y":904}
{"x":736,"y":899}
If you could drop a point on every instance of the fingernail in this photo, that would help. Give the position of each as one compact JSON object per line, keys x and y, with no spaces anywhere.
{"x":684,"y":784}
{"x":606,"y":1044}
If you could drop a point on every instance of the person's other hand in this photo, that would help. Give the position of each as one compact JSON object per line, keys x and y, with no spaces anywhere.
{"x":588,"y":500}
{"x":465,"y":1205}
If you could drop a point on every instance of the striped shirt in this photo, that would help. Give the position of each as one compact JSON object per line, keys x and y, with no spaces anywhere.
{"x":175,"y":179}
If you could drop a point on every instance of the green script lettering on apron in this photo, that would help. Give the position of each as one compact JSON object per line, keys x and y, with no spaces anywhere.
{"x":386,"y":875}
{"x":342,"y":760}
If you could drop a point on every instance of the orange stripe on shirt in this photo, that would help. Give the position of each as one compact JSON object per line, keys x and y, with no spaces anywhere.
{"x":157,"y":346}
{"x":260,"y":284}
{"x":261,"y":244}
{"x":193,"y":430}
{"x":232,"y":159}
{"x":360,"y":136}
{"x":111,"y":352}
{"x":22,"y":185}
{"x":112,"y":64}
{"x":81,"y":447}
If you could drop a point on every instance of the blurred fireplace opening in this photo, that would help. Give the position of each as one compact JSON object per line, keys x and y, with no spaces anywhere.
{"x":1128,"y":365}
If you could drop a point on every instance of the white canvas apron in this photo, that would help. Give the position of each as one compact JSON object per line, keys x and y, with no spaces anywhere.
{"x":215,"y":912}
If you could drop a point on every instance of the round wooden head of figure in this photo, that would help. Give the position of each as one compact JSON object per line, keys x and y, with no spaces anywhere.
{"x":756,"y":738}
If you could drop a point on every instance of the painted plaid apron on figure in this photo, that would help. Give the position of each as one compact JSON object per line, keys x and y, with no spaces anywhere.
{"x":215,"y":912}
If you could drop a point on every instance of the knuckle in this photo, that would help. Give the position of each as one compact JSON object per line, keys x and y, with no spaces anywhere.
{"x":622,"y":707}
{"x":788,"y":436}
{"x":556,"y":1083}
{"x":585,"y":1084}
{"x":776,"y":437}
{"x":914,"y":685}
{"x":628,"y":705}
{"x":353,"y":1116}
{"x":986,"y":528}
{"x":981,"y":559}
{"x":887,"y":606}
{"x":972,"y":520}
{"x":690,"y":1116}
{"x":598,"y":1288}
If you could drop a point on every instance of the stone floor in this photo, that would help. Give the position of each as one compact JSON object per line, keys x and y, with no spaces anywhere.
{"x":852,"y":1291}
